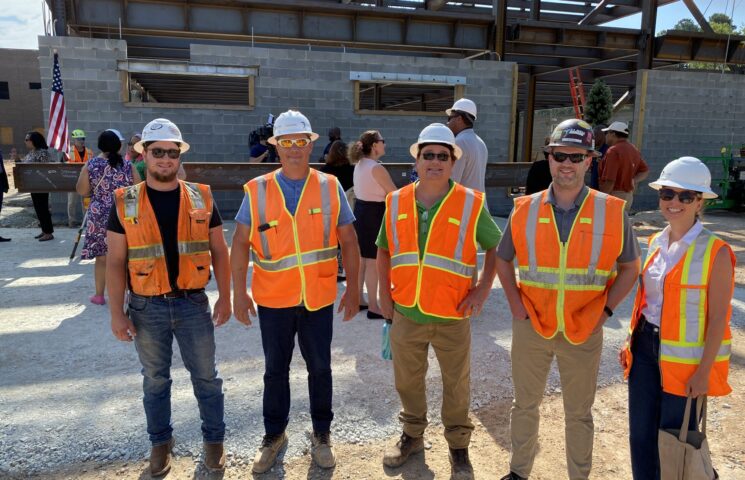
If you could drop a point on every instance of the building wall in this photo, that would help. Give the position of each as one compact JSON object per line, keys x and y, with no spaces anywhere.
{"x":316,"y":83}
{"x":686,"y":113}
{"x":22,"y":111}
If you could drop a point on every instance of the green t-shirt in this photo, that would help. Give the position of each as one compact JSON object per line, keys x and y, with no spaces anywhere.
{"x":140,"y":166}
{"x":488,"y":236}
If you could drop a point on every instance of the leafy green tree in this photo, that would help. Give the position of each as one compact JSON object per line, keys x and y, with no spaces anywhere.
{"x":599,"y":104}
{"x":723,"y":22}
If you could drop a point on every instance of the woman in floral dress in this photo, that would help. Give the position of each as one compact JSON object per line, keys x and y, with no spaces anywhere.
{"x":98,"y":179}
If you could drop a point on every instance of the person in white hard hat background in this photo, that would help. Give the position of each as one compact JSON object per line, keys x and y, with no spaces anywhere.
{"x":427,"y":248}
{"x":163,"y":236}
{"x":80,"y":154}
{"x":622,"y":167}
{"x":470,"y":169}
{"x":290,"y":222}
{"x":569,"y":241}
{"x":679,"y":341}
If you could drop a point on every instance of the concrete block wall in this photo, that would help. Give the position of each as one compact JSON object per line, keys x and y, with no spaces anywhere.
{"x":686,"y":113}
{"x":317,"y":83}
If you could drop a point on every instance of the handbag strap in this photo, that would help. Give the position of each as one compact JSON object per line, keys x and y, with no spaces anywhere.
{"x":683,"y":434}
{"x":702,"y":413}
{"x":700,"y":417}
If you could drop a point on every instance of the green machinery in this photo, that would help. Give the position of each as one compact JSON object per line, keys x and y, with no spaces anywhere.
{"x":728,"y":179}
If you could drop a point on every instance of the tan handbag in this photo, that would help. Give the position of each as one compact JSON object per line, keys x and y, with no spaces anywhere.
{"x":685,"y":455}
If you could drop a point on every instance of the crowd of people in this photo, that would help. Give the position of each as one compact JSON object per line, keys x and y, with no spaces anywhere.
{"x":566,"y":259}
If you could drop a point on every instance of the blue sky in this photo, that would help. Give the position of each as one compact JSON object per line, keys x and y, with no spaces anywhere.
{"x":21,"y":20}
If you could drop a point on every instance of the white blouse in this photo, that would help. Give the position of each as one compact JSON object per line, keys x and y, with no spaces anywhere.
{"x":667,"y":257}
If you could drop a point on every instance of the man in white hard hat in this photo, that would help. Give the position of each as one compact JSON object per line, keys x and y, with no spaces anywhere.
{"x":568,"y":241}
{"x":470,"y":169}
{"x":163,"y":236}
{"x":623,"y":167}
{"x":290,"y":222}
{"x":426,"y":288}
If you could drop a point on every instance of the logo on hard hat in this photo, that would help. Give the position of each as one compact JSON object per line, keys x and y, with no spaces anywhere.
{"x":584,"y":124}
{"x":156,"y":126}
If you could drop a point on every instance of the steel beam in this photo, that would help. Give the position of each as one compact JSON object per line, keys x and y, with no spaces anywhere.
{"x":595,"y":12}
{"x":528,"y":119}
{"x":698,"y":16}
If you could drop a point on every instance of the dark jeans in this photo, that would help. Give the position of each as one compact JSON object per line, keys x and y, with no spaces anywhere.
{"x":41,"y":207}
{"x":157,"y":321}
{"x":649,"y":407}
{"x":314,"y":331}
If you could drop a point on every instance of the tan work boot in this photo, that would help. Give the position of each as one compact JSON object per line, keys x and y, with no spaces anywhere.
{"x":397,"y":455}
{"x":160,"y":458}
{"x":214,"y":457}
{"x":460,"y":464}
{"x":321,"y":450}
{"x":267,"y":454}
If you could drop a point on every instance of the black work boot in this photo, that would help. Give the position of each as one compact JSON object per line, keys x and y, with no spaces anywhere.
{"x":460,"y":465}
{"x":513,"y":476}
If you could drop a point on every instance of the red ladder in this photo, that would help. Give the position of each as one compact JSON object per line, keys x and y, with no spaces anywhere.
{"x":578,"y":92}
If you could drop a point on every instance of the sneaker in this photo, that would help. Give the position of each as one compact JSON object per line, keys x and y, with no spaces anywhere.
{"x":321,"y":450}
{"x":397,"y":455}
{"x":460,"y":465}
{"x":513,"y":476}
{"x":160,"y":458}
{"x":214,"y":457}
{"x":97,"y":300}
{"x":267,"y":454}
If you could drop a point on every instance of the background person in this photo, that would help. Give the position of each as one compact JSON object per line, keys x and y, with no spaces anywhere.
{"x":38,"y":153}
{"x":470,"y":169}
{"x":337,"y":164}
{"x":372,"y":183}
{"x":80,"y":154}
{"x":98,"y":179}
{"x":3,"y":188}
{"x":623,"y":166}
{"x":259,"y":152}
{"x":679,"y":337}
{"x":601,"y":147}
{"x":137,"y":160}
{"x":334,"y":135}
{"x":539,"y":174}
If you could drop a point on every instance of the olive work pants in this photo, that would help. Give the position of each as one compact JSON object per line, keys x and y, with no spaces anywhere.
{"x":451,"y":342}
{"x":578,"y":370}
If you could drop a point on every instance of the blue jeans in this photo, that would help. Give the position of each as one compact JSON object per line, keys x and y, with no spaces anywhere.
{"x":157,"y":321}
{"x":649,"y":407}
{"x":314,"y":331}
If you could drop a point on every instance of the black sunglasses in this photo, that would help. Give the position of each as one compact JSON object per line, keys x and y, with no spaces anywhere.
{"x":573,"y":157}
{"x":382,"y":140}
{"x":173,"y":153}
{"x":442,"y":156}
{"x":686,"y":196}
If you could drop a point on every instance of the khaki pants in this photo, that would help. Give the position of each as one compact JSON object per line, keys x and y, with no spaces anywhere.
{"x":628,"y":196}
{"x":452,"y":344}
{"x":578,"y":368}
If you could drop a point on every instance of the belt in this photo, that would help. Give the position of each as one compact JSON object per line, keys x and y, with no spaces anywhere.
{"x":175,"y":293}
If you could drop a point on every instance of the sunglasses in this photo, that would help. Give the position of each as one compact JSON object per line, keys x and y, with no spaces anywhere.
{"x":686,"y":196}
{"x":442,"y":156}
{"x":573,"y":157}
{"x":173,"y":153}
{"x":288,"y":143}
{"x":381,"y":140}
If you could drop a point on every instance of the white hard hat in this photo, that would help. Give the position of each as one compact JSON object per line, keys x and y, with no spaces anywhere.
{"x":463,"y":105}
{"x":112,"y":130}
{"x":688,"y":173}
{"x":618,"y":127}
{"x":291,"y":122}
{"x":161,"y":130}
{"x":436,"y":133}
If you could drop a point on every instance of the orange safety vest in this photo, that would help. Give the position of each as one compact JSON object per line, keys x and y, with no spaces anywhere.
{"x":146,"y":261}
{"x":439,"y":279}
{"x":564,"y":286}
{"x":294,"y":256}
{"x":76,"y":158}
{"x":684,"y":317}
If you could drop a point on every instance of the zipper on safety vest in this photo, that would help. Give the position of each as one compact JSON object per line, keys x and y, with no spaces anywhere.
{"x":299,"y":260}
{"x":562,"y":277}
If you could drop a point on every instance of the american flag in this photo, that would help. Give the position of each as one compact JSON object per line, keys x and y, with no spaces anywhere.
{"x":57,"y":133}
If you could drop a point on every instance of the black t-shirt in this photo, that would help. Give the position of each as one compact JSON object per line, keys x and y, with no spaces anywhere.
{"x":345,"y":174}
{"x":166,"y":207}
{"x":539,"y":177}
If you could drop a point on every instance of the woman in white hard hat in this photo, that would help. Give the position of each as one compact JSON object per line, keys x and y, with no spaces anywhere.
{"x":372,"y":183}
{"x":679,"y":339}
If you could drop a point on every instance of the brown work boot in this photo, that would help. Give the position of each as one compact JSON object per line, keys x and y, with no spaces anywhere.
{"x":160,"y":458}
{"x":214,"y":457}
{"x":321,"y":450}
{"x":268,"y":451}
{"x":460,"y":465}
{"x":397,"y":455}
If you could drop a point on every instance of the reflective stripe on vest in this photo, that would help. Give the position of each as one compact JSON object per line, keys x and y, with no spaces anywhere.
{"x":679,"y":353}
{"x":394,"y":232}
{"x":146,"y":252}
{"x":307,"y":258}
{"x":261,"y":202}
{"x":190,"y":248}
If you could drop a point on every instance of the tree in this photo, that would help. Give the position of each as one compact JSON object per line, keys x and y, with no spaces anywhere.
{"x":599,"y":105}
{"x":724,"y":21}
{"x":687,"y":25}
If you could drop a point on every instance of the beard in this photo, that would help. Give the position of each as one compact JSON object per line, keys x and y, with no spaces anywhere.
{"x":169,"y":177}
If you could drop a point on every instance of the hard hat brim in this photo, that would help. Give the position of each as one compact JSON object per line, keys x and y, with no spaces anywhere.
{"x":414,"y":148}
{"x":450,"y":111}
{"x":139,"y":146}
{"x":706,"y":193}
{"x":592,"y":153}
{"x":313,"y":137}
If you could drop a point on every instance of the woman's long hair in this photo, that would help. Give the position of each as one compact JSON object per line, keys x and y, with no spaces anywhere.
{"x":37,"y":140}
{"x":363,"y":146}
{"x":109,"y":143}
{"x":337,"y":155}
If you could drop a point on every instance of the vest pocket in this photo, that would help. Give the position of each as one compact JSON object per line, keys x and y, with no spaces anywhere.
{"x":141,"y":276}
{"x":199,"y":223}
{"x":200,"y":273}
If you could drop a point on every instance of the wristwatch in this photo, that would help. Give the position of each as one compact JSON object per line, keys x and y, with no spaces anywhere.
{"x":608,"y":311}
